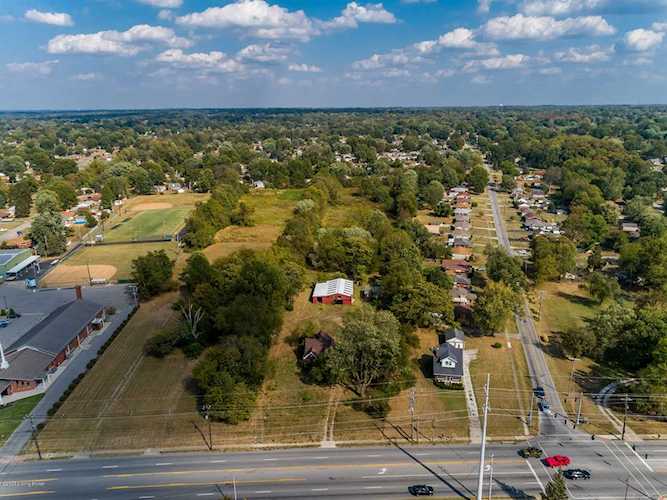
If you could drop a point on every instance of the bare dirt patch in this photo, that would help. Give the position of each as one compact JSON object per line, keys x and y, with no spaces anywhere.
{"x":151,"y":206}
{"x":79,"y":274}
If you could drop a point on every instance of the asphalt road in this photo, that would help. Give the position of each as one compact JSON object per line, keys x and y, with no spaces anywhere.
{"x":537,"y":363}
{"x":342,"y":473}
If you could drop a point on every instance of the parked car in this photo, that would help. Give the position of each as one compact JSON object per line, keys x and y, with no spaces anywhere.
{"x":575,"y":474}
{"x":539,"y":392}
{"x":530,"y":452}
{"x":557,"y":461}
{"x":421,"y":490}
{"x":4,"y":323}
{"x":544,"y":407}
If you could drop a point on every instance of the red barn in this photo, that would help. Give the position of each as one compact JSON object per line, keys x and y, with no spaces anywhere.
{"x":338,"y":291}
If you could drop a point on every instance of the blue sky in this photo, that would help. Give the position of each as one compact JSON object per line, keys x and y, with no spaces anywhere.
{"x":57,"y":54}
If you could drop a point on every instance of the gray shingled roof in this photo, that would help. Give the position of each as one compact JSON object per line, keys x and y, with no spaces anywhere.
{"x":444,"y":351}
{"x":26,"y":364}
{"x":454,"y":333}
{"x":54,"y":332}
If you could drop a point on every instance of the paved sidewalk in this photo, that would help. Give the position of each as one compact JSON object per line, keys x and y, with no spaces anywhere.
{"x":473,"y":415}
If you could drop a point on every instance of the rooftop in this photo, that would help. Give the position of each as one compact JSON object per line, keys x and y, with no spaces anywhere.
{"x":339,"y":286}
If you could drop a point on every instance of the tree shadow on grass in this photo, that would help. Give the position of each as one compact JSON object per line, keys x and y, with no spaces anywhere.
{"x":513,"y":492}
{"x":577,"y":299}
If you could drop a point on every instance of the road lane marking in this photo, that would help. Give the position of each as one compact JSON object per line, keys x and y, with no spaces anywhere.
{"x":146,"y":497}
{"x":535,"y":475}
{"x":217,"y":461}
{"x":319,"y":489}
{"x":639,"y":457}
{"x":110,"y":466}
{"x":204,"y":483}
{"x":160,"y":464}
{"x":262,"y":492}
{"x":373,"y":456}
{"x":54,"y":470}
{"x":205,"y":494}
{"x":27,"y":493}
{"x":373,"y":487}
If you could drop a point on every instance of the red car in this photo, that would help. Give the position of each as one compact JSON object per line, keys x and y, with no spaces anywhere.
{"x":557,"y":461}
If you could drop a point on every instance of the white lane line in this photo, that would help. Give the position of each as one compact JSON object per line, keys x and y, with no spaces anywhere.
{"x":317,"y":458}
{"x":271,"y":459}
{"x":262,"y":492}
{"x":110,"y":466}
{"x":398,"y":476}
{"x":217,"y":461}
{"x":319,"y":489}
{"x":205,"y":494}
{"x":146,"y":497}
{"x":54,"y":470}
{"x":160,"y":464}
{"x":373,"y":456}
{"x":535,"y":476}
{"x":373,"y":487}
{"x":639,"y":457}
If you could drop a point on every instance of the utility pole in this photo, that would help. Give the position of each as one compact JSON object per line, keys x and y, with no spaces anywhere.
{"x":413,"y":399}
{"x":235,"y":497}
{"x":34,"y":437}
{"x":581,"y":397}
{"x":206,"y":409}
{"x":491,"y":477}
{"x":530,"y":410}
{"x":625,"y":417}
{"x":480,"y":482}
{"x":569,"y":384}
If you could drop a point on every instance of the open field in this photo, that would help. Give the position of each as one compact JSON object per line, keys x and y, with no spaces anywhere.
{"x":346,"y":212}
{"x":149,"y":224}
{"x":113,"y":262}
{"x":14,"y":413}
{"x":149,"y":202}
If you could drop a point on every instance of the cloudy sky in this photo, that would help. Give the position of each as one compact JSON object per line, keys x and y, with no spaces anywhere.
{"x":63,"y":54}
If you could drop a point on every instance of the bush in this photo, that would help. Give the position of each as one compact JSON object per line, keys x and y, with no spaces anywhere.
{"x":192,"y":350}
{"x":161,"y":344}
{"x":496,"y":345}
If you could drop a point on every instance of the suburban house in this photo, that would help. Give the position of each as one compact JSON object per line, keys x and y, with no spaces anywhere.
{"x":461,"y":253}
{"x":631,"y":229}
{"x":462,"y":225}
{"x":338,"y":291}
{"x":454,"y":337}
{"x":448,"y":364}
{"x":38,"y":353}
{"x":454,"y":267}
{"x":314,"y":346}
{"x":462,"y":280}
{"x":462,"y":296}
{"x":462,"y":211}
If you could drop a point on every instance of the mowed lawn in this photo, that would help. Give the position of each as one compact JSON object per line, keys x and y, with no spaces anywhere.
{"x":75,"y":269}
{"x":149,"y":224}
{"x":13,"y":414}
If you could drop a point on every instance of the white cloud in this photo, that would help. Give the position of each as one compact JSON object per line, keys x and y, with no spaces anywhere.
{"x":379,"y":61}
{"x":33,"y":68}
{"x":545,"y":28}
{"x":355,"y":13}
{"x":304,"y":68}
{"x":53,"y":18}
{"x":165,"y":15}
{"x":211,"y":61}
{"x":484,"y":6}
{"x":125,"y":43}
{"x":460,"y":38}
{"x":263,"y":53}
{"x":588,"y":55}
{"x":642,"y":40}
{"x":510,"y":61}
{"x":659,"y":27}
{"x":480,"y":80}
{"x":257,"y":17}
{"x":163,"y":4}
{"x":412,"y":2}
{"x":560,"y":7}
{"x":550,"y":71}
{"x":86,"y":77}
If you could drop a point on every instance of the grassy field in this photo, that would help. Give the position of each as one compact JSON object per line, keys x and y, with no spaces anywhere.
{"x":12,"y":415}
{"x":148,"y":224}
{"x":347,"y":211}
{"x":117,"y":257}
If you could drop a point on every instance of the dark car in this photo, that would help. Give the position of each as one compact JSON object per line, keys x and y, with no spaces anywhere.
{"x":544,"y":406}
{"x":575,"y":474}
{"x":539,"y":392}
{"x":530,"y":452}
{"x":421,"y":490}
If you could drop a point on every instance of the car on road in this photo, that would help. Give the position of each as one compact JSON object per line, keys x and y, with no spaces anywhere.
{"x":531,"y":452}
{"x":557,"y":461}
{"x":575,"y":474}
{"x":539,"y":392}
{"x":544,"y":407}
{"x":4,"y":323}
{"x":421,"y":490}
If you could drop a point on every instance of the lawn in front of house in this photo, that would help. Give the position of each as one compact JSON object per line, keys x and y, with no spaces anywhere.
{"x":13,"y":414}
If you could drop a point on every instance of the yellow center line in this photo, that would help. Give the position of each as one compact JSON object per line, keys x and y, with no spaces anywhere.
{"x":307,"y":467}
{"x":206,"y":483}
{"x":27,"y":493}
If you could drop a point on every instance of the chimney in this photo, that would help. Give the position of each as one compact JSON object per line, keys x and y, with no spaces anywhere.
{"x":77,"y":290}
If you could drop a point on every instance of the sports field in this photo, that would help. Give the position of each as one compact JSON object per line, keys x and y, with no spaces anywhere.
{"x":149,"y":224}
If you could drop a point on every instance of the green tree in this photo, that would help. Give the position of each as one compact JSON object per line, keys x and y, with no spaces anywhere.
{"x":500,"y":266}
{"x":434,"y":193}
{"x":578,"y":342}
{"x":494,"y":306}
{"x":66,"y":193}
{"x":555,"y":489}
{"x":508,"y":183}
{"x":425,"y":305}
{"x":478,"y":178}
{"x":205,"y":180}
{"x":152,"y":273}
{"x":48,"y":232}
{"x":595,"y":261}
{"x":603,"y":288}
{"x":367,"y":350}
{"x":20,"y":195}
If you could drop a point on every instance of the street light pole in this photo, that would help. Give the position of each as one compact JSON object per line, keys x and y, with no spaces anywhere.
{"x":480,"y":482}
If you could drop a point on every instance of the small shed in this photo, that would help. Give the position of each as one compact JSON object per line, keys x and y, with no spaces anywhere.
{"x":314,"y":346}
{"x":337,"y":291}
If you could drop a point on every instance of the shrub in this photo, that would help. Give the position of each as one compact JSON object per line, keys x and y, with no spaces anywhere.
{"x":496,"y":345}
